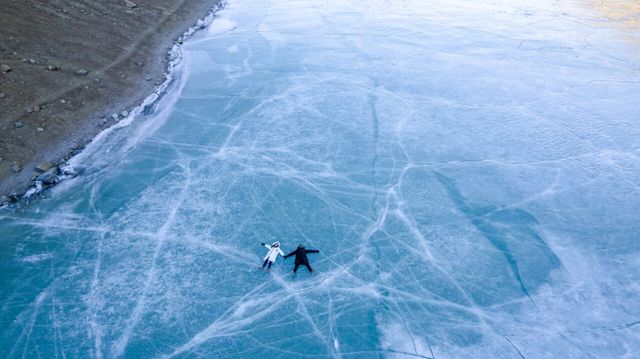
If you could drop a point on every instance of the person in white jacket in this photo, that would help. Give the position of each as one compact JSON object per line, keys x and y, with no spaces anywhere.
{"x":271,"y":256}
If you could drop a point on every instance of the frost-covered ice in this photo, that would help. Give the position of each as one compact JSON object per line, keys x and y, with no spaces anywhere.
{"x":469,"y":170}
{"x":221,"y":25}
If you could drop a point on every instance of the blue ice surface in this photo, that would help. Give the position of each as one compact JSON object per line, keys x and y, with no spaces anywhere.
{"x":469,"y":170}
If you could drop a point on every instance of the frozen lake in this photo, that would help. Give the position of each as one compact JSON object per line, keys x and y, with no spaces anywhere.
{"x":470,"y":172}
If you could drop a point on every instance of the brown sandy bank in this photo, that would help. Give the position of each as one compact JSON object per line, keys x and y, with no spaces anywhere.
{"x":66,"y":66}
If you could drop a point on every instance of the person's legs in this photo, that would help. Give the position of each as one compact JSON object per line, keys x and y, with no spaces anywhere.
{"x":269,"y":266}
{"x":308,"y":267}
{"x":265,"y":263}
{"x":295,"y":267}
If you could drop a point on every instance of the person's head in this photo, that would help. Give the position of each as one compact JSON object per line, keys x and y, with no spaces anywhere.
{"x":300,"y":246}
{"x":276,"y":244}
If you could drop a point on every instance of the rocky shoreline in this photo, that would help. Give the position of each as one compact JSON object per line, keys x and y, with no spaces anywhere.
{"x":79,"y":70}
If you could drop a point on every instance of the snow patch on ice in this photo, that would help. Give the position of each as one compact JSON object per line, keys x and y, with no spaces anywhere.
{"x":34,"y":258}
{"x":221,"y":26}
{"x":275,"y":39}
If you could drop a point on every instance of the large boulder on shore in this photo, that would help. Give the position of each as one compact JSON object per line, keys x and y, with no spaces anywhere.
{"x":50,"y":176}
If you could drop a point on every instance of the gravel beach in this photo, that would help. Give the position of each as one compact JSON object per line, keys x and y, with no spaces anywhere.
{"x":69,"y":69}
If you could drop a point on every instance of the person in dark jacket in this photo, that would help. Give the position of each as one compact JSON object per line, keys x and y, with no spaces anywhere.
{"x":301,"y":257}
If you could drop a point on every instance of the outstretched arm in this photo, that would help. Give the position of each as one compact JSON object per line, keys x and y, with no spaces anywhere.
{"x":280,"y":252}
{"x":266,"y":245}
{"x":313,"y":251}
{"x":290,"y":254}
